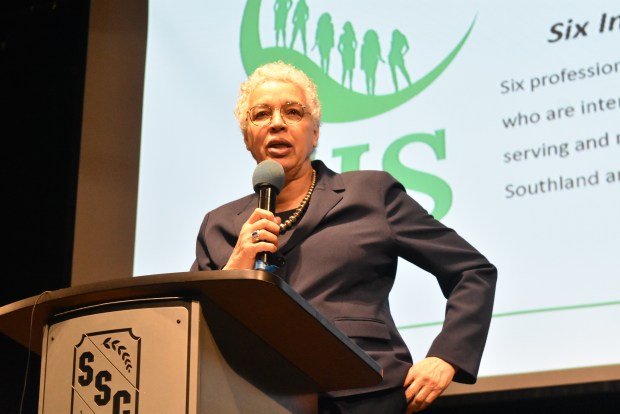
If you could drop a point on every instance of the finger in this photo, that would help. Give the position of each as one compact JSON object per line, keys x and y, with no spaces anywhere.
{"x":268,"y":225}
{"x":419,"y":401}
{"x":423,"y":394}
{"x":411,"y":385}
{"x":260,"y":214}
{"x":412,"y":391}
{"x":262,"y":236}
{"x":264,"y":224}
{"x":261,"y":230}
{"x":261,"y":247}
{"x":422,"y":400}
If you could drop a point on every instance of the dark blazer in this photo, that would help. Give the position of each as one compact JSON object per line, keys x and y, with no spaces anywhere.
{"x":342,"y":257}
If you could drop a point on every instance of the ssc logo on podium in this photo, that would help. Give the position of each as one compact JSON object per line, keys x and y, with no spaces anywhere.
{"x":106,"y":368}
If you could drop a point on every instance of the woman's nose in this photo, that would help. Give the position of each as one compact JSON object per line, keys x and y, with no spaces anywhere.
{"x":276,"y":120}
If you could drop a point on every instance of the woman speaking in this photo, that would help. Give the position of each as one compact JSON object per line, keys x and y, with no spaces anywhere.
{"x":336,"y":240}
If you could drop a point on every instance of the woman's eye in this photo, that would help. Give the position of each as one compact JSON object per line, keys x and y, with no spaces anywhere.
{"x":262,"y":115}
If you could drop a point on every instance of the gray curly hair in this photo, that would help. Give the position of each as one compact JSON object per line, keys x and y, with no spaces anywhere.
{"x":277,"y":71}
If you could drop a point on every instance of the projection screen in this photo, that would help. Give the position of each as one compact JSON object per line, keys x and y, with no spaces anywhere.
{"x":501,"y":118}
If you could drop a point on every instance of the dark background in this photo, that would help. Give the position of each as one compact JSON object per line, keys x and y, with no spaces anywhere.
{"x":43,"y":46}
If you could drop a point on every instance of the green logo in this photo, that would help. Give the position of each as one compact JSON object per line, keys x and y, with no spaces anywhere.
{"x":339,"y":101}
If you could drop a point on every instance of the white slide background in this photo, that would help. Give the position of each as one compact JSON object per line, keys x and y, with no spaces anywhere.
{"x":558,"y":298}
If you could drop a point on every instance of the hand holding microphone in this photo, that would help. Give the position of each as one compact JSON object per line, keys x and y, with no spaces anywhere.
{"x":268,"y":179}
{"x":258,"y":237}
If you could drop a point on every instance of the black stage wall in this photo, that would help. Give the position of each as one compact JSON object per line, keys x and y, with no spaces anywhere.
{"x":43,"y":47}
{"x":42,"y":66}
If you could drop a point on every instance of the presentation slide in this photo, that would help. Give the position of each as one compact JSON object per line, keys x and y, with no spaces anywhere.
{"x":502,"y":118}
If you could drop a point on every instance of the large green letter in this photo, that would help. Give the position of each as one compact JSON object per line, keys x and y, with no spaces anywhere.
{"x":426,"y":183}
{"x":350,"y":156}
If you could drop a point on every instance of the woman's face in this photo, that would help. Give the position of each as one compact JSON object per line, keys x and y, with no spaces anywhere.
{"x":289,"y":144}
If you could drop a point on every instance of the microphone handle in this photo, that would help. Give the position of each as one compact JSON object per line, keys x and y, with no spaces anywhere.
{"x":266,"y":201}
{"x":267,"y":198}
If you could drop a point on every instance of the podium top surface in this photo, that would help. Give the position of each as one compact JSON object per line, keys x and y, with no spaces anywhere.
{"x":261,"y":301}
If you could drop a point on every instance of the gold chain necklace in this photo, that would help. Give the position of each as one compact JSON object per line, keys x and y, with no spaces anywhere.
{"x":300,"y":209}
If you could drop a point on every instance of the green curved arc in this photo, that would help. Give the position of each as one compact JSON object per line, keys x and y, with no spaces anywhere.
{"x":339,"y":103}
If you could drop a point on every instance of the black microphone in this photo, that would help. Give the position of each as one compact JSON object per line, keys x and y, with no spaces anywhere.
{"x":268,"y":179}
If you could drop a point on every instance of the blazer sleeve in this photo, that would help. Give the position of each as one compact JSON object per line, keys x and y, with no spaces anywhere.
{"x":467,"y":280}
{"x":215,"y":242}
{"x":203,"y":259}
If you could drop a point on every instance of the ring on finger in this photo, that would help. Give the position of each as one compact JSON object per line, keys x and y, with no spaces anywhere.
{"x":255,"y":236}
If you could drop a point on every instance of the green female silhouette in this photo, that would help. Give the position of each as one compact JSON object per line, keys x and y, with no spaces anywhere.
{"x":281,"y":9}
{"x":396,"y":57}
{"x":300,"y":18}
{"x":347,"y":45}
{"x":370,"y":57}
{"x":324,"y":39}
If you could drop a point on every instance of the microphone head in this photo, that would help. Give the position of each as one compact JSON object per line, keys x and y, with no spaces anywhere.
{"x":268,"y":173}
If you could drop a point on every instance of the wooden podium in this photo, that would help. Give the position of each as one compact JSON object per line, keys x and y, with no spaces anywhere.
{"x":199,"y":342}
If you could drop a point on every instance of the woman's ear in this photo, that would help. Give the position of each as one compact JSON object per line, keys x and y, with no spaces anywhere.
{"x":246,"y":140}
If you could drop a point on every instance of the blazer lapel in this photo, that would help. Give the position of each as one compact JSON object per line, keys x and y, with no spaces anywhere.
{"x":244,"y":213}
{"x":327,"y":194}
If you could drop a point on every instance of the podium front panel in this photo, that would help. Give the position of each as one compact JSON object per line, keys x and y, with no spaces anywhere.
{"x":159,"y":356}
{"x":112,"y":360}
